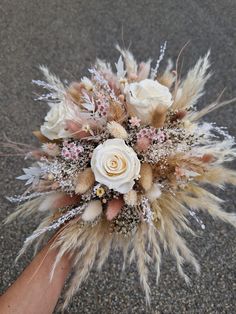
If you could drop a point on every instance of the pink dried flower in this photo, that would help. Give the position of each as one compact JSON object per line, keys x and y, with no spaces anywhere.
{"x":102,"y":104}
{"x":160,"y":137}
{"x":149,"y":133}
{"x":143,"y":133}
{"x":71,"y":151}
{"x":152,"y":134}
{"x":134,"y":121}
{"x":102,"y":109}
{"x":143,"y":144}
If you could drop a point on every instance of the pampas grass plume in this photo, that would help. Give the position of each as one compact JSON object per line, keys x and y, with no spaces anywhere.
{"x":74,"y":91}
{"x":168,"y":77}
{"x":144,"y":70}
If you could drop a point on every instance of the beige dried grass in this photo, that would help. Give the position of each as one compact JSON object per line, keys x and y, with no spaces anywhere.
{"x":192,"y":87}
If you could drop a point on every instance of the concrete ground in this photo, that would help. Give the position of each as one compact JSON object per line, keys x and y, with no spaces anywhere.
{"x":67,"y":36}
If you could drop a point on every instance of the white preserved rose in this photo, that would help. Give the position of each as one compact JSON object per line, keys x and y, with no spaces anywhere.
{"x":115,"y":165}
{"x":145,"y":96}
{"x":54,"y":124}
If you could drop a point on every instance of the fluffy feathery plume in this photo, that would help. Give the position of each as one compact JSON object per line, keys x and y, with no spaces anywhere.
{"x":191,"y":89}
{"x":116,"y":112}
{"x":92,"y":211}
{"x":144,"y":70}
{"x":117,"y":130}
{"x":26,"y":209}
{"x":84,"y":181}
{"x":146,"y":176}
{"x":130,"y":63}
{"x":215,"y":105}
{"x":105,"y":69}
{"x":57,"y":200}
{"x":154,"y":192}
{"x":159,"y":116}
{"x":168,"y":77}
{"x":75,"y":91}
{"x":131,"y":198}
{"x":57,"y":90}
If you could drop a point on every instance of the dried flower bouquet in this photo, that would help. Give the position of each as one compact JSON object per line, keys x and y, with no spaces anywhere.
{"x":125,"y":162}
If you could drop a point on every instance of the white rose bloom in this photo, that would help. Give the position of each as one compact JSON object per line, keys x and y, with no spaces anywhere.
{"x":54,"y":124}
{"x":115,"y":165}
{"x":145,"y":96}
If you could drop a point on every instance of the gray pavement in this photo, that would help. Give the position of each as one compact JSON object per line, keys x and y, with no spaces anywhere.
{"x":67,"y":36}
